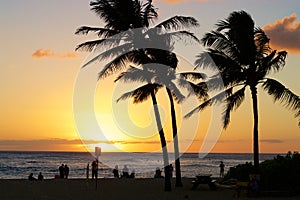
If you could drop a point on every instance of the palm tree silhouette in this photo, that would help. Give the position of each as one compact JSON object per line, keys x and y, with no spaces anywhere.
{"x":244,"y":58}
{"x":141,"y":94}
{"x":156,"y":77}
{"x":131,"y":28}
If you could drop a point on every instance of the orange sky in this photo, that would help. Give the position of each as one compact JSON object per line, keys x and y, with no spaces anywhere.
{"x":40,"y":70}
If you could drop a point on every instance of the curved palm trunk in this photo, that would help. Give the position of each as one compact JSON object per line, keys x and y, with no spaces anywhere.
{"x":255,"y":128}
{"x":175,"y":140}
{"x":163,"y":143}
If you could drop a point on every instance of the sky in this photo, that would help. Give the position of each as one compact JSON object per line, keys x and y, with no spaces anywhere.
{"x":45,"y":94}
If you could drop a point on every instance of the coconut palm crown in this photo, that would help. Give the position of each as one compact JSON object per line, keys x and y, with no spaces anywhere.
{"x":242,"y":55}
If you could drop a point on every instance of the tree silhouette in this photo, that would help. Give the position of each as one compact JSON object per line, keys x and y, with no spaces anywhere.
{"x":244,"y":59}
{"x":131,"y":26}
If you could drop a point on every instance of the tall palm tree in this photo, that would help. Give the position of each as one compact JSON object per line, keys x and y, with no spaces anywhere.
{"x":156,"y":78}
{"x":118,"y":20}
{"x":244,"y":59}
{"x":142,"y":93}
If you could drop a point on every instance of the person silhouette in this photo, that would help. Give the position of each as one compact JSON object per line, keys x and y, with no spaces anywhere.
{"x":61,"y":171}
{"x":125,"y":172}
{"x":116,"y":171}
{"x":30,"y":177}
{"x":132,"y":174}
{"x":95,"y":169}
{"x":40,"y":176}
{"x":66,"y":171}
{"x":222,"y":166}
{"x":171,"y":168}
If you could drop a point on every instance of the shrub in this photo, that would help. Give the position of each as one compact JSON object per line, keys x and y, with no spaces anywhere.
{"x":281,"y":173}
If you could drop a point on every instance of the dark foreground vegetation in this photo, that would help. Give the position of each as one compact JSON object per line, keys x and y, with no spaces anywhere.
{"x":280,"y":174}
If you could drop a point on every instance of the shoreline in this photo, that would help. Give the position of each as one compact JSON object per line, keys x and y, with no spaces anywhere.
{"x":110,"y":188}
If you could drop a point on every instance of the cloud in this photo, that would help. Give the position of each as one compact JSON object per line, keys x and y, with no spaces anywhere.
{"x":273,"y":141}
{"x":57,"y":143}
{"x":284,"y":34}
{"x":48,"y":53}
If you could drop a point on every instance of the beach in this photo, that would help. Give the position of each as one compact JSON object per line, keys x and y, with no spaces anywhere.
{"x":78,"y":189}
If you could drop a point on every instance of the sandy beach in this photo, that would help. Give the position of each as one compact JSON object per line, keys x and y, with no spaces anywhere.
{"x":73,"y":189}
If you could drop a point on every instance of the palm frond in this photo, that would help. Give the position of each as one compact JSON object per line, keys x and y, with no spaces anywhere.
{"x":89,"y":45}
{"x":233,"y":102}
{"x":193,"y":76}
{"x":84,"y":30}
{"x":140,"y":94}
{"x":178,"y":22}
{"x":177,"y":95}
{"x":135,"y":56}
{"x":219,"y":97}
{"x":220,"y":42}
{"x":261,"y":42}
{"x":282,"y":94}
{"x":134,"y":74}
{"x":149,"y":13}
{"x":216,"y":60}
{"x":185,"y":36}
{"x":199,"y":108}
{"x":278,"y":61}
{"x":119,"y":50}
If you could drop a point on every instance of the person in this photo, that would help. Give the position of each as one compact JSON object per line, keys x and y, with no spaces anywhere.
{"x":95,"y":169}
{"x":61,"y":171}
{"x":40,"y":176}
{"x":171,"y":169}
{"x":158,"y":173}
{"x":66,"y":171}
{"x":132,"y":175}
{"x":125,"y":172}
{"x":87,"y":171}
{"x":116,"y":171}
{"x":30,"y":177}
{"x":222,"y":166}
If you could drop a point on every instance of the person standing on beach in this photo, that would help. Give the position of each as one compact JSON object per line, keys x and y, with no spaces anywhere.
{"x":171,"y":168}
{"x":87,"y":171}
{"x":125,"y":172}
{"x":116,"y":171}
{"x":222,"y":166}
{"x":66,"y":171}
{"x":61,"y":170}
{"x":95,"y":169}
{"x":40,"y":176}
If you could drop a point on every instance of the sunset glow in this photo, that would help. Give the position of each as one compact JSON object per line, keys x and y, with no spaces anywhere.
{"x":40,"y":72}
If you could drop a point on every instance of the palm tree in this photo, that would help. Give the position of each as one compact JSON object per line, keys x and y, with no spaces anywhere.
{"x":157,"y":77}
{"x":142,"y":93}
{"x":244,"y":58}
{"x":118,"y":20}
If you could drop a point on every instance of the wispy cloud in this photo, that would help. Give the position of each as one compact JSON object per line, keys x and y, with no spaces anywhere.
{"x":48,"y":53}
{"x":272,"y":141}
{"x":56,"y":142}
{"x":284,"y":34}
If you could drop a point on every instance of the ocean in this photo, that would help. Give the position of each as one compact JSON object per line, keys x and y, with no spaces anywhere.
{"x":18,"y":165}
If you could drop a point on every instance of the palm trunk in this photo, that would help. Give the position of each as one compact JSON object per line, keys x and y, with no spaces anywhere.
{"x":163,"y":143}
{"x":175,"y":140}
{"x":255,"y":128}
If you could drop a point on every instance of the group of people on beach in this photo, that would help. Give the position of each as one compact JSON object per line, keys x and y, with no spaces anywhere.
{"x":94,"y":166}
{"x":125,"y":172}
{"x":158,"y":171}
{"x":32,"y":178}
{"x":64,"y":171}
